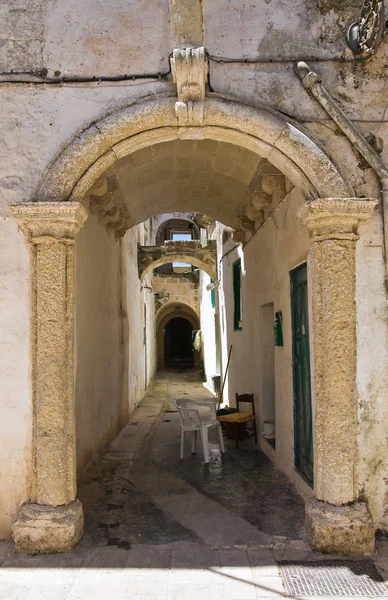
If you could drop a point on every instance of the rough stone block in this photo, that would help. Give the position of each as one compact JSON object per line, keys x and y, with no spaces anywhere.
{"x":45,"y":529}
{"x":347,"y":529}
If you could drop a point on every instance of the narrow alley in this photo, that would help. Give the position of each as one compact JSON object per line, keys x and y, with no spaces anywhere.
{"x":236,"y":500}
{"x":160,"y":528}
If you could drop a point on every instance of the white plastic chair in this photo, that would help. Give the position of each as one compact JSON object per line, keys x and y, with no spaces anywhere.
{"x":192,"y":420}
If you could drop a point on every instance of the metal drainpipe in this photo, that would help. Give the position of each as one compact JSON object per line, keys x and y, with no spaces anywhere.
{"x":313,"y":83}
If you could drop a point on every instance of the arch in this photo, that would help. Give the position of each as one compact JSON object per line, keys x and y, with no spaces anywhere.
{"x":163,"y":224}
{"x":181,"y":257}
{"x":164,"y":315}
{"x":176,"y":309}
{"x":178,"y":216}
{"x":151,"y":121}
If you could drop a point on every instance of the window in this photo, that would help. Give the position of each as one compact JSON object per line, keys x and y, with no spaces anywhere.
{"x":237,"y":295}
{"x":181,"y":237}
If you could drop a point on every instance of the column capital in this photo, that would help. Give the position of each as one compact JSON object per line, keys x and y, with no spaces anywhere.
{"x":335,"y":218}
{"x":49,"y":221}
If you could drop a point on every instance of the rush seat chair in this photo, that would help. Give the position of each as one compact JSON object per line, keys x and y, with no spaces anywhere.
{"x":238,"y":417}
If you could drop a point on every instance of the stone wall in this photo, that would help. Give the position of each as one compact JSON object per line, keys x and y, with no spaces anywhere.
{"x":179,"y":287}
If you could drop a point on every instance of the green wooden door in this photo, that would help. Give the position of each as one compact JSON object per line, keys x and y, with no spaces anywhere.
{"x":303,"y":422}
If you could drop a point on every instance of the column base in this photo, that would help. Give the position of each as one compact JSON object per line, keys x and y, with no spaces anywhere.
{"x":346,"y":530}
{"x":42,"y":529}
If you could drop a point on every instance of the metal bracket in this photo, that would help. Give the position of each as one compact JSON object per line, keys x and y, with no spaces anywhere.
{"x":365,"y":35}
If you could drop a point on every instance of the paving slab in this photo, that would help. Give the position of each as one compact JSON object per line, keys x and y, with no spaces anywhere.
{"x":211,"y":522}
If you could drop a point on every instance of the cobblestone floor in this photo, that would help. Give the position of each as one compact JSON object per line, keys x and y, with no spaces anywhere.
{"x":158,"y":528}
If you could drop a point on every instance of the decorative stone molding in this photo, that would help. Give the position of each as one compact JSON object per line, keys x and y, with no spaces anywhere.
{"x":266,"y":189}
{"x":204,"y":221}
{"x":108,"y":206}
{"x":190,"y":70}
{"x":336,"y":218}
{"x":333,"y":226}
{"x":161,"y":298}
{"x":51,"y":229}
{"x":205,"y":258}
{"x":59,"y":221}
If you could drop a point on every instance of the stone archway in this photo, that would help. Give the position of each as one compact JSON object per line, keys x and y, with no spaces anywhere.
{"x":164,"y":315}
{"x":53,"y":521}
{"x":205,"y":258}
{"x":152,"y":121}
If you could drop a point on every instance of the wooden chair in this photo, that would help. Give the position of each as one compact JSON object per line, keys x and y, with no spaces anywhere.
{"x":241,"y":417}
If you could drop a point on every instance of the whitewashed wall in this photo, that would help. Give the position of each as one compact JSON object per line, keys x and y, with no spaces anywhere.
{"x":111,"y":359}
{"x":137,"y":294}
{"x":15,"y":373}
{"x":208,"y":327}
{"x":280,"y":245}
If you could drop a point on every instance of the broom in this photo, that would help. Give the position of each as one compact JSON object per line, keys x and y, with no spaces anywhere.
{"x":226,"y":372}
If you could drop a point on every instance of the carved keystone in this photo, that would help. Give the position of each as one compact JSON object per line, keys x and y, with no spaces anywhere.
{"x":189,"y":70}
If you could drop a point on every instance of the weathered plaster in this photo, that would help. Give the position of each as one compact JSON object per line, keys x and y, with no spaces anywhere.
{"x":15,"y":374}
{"x":372,"y":360}
{"x":186,"y":23}
{"x":274,"y":29}
{"x":75,"y":30}
{"x":101,"y":341}
{"x":141,"y":357}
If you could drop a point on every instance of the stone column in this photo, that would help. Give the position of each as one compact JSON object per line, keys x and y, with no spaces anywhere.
{"x":53,"y":520}
{"x":336,"y":522}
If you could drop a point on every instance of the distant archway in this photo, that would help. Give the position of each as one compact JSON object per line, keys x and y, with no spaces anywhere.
{"x":178,"y":344}
{"x":168,"y":312}
{"x":181,"y":257}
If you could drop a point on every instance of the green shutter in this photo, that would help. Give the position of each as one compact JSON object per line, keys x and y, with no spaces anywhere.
{"x":303,"y":421}
{"x":237,"y":295}
{"x":213,"y":295}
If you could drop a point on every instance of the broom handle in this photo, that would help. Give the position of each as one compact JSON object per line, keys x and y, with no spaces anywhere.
{"x":226,"y":372}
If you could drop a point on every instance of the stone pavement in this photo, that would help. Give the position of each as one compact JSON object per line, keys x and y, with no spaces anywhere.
{"x":160,"y":528}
